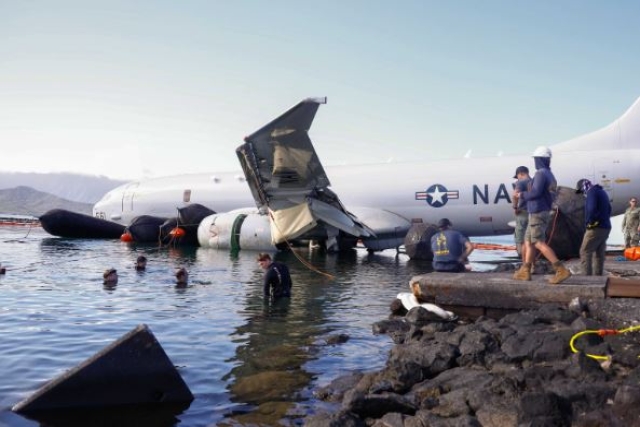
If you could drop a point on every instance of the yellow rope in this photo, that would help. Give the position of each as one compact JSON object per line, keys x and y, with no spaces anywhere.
{"x":303,"y":261}
{"x":602,"y":333}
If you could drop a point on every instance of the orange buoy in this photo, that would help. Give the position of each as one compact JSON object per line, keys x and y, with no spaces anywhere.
{"x":177,"y":232}
{"x":632,"y":253}
{"x":126,"y":237}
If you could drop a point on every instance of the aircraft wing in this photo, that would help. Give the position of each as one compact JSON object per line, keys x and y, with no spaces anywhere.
{"x":287,"y":179}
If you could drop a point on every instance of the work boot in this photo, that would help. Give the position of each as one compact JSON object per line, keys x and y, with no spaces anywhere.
{"x":523,"y":273}
{"x":562,"y":273}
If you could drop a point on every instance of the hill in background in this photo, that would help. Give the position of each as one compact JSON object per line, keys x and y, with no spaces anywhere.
{"x":69,"y":186}
{"x":27,"y":201}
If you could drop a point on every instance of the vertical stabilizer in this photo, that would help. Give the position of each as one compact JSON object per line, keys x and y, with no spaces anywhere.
{"x":623,"y":133}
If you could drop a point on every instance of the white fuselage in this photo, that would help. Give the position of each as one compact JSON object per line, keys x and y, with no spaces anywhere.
{"x":474,"y":193}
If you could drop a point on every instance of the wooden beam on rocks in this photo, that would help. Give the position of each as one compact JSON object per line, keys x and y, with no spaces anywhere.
{"x":623,"y":287}
{"x":499,"y":291}
{"x":133,"y":370}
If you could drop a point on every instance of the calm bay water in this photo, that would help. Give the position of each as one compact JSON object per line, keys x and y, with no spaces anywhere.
{"x":245,"y":361}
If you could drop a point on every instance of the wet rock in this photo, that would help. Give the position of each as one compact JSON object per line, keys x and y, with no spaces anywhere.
{"x":391,"y":420}
{"x":434,"y":358}
{"x":426,"y":418}
{"x":420,"y":316}
{"x":268,"y":386}
{"x":398,"y":376}
{"x":390,"y":326}
{"x":453,"y":404}
{"x":432,"y":328}
{"x":376,"y":405}
{"x":517,"y":371}
{"x":335,"y":390}
{"x":337,"y":339}
{"x":340,"y":419}
{"x":397,"y":308}
{"x":267,"y":413}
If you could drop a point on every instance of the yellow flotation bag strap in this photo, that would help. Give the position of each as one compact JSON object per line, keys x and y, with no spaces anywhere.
{"x":602,"y":333}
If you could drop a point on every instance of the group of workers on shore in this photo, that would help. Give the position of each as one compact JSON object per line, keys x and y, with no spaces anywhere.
{"x":533,"y":199}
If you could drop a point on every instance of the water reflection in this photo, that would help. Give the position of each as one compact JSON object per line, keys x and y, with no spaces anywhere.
{"x":273,"y":346}
{"x":157,"y":416}
{"x":247,"y":362}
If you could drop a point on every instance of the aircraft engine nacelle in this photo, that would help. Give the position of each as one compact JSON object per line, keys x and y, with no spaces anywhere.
{"x":236,"y":230}
{"x":390,"y":228}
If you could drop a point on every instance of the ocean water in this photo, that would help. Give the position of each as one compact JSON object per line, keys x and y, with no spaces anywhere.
{"x":247,"y":362}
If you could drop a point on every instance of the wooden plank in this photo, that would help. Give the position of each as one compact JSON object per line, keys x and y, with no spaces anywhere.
{"x":623,"y":287}
{"x":501,"y":291}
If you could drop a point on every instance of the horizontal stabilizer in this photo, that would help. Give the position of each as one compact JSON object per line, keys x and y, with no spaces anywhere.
{"x":280,"y":155}
{"x":287,"y":179}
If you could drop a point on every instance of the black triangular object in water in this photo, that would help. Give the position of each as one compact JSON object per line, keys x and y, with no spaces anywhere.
{"x":134,"y":370}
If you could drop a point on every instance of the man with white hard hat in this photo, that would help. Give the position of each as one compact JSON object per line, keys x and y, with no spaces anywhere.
{"x":539,"y":203}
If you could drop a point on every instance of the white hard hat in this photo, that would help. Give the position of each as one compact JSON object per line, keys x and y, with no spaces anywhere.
{"x":542,"y":151}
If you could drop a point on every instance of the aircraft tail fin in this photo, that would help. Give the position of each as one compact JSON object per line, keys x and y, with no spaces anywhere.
{"x":622,"y":133}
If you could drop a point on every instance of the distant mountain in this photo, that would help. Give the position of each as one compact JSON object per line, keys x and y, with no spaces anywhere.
{"x":27,"y":201}
{"x":75,"y":187}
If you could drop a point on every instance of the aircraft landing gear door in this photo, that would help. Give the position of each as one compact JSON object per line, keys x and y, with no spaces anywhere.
{"x":603,"y":175}
{"x":128,"y":196}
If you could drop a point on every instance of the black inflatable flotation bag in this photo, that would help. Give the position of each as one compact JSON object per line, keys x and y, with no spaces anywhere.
{"x":145,"y":228}
{"x":63,"y":223}
{"x":188,"y":219}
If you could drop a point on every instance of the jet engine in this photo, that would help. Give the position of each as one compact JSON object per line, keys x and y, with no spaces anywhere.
{"x":235,"y":230}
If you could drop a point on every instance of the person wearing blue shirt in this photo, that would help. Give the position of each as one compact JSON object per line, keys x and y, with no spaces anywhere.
{"x":451,"y":249}
{"x":520,"y":209}
{"x":539,"y":200}
{"x":597,"y":218}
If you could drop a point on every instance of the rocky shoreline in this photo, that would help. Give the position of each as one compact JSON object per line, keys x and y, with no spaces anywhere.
{"x":516,"y":371}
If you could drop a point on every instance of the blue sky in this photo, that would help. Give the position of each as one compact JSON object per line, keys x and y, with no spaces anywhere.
{"x":148,"y":88}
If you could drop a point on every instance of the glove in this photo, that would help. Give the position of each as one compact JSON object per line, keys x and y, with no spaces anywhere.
{"x":592,"y":225}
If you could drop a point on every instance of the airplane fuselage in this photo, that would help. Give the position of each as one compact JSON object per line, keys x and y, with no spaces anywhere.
{"x":377,"y":203}
{"x":475,"y":194}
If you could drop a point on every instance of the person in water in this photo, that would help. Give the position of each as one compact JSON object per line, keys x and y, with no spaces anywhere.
{"x":110,"y":277}
{"x":276,"y":281}
{"x":182,"y":277}
{"x":141,"y":263}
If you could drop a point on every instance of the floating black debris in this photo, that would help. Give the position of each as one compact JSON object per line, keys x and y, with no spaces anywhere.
{"x":132,"y":371}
